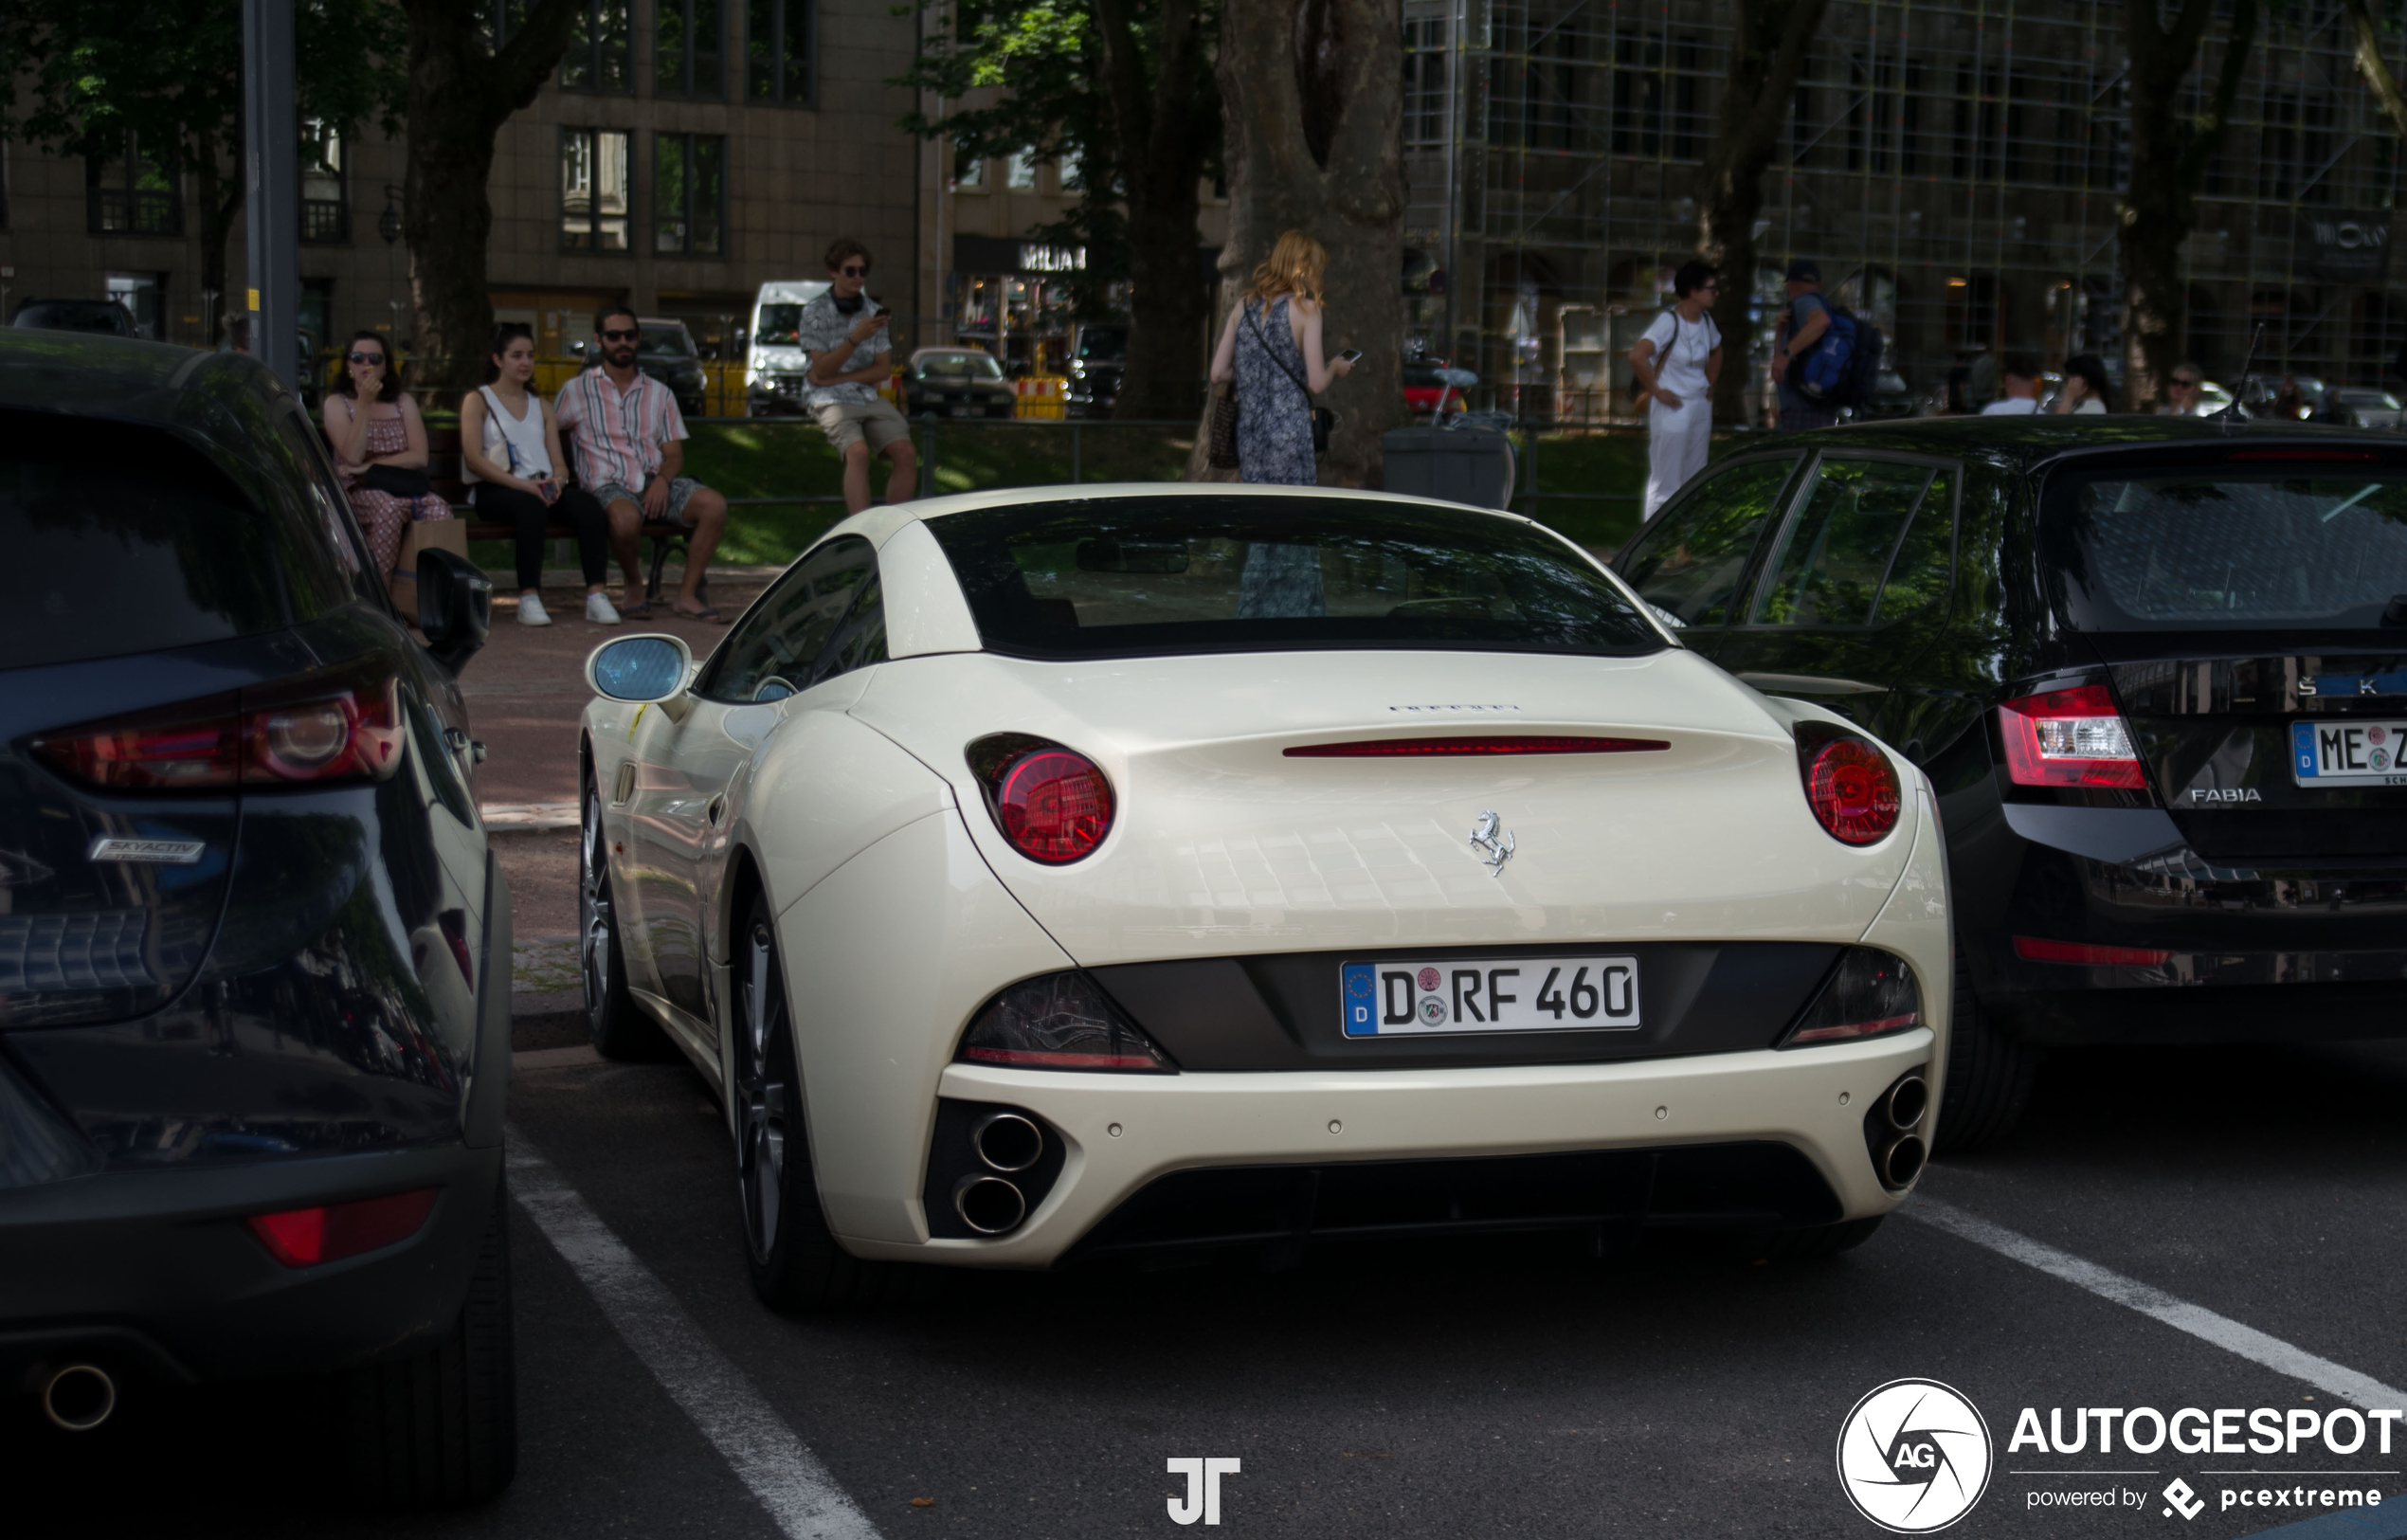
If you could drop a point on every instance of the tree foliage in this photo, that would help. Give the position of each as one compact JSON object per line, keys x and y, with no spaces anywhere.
{"x":89,"y":72}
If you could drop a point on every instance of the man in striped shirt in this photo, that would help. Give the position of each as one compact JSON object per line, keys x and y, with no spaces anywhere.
{"x":630,"y":446}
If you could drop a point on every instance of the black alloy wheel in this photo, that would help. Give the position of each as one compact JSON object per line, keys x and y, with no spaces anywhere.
{"x":619,"y":1030}
{"x":1989,"y":1075}
{"x":795,"y":1261}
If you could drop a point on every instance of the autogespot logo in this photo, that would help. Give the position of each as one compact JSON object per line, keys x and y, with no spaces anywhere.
{"x":1913,"y":1457}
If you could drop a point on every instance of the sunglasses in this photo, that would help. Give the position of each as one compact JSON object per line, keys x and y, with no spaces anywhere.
{"x":365,"y":357}
{"x":2186,"y":385}
{"x":854,"y":272}
{"x":622,"y":336}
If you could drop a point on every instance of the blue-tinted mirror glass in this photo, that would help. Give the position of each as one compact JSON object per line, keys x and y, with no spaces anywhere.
{"x":640,"y":668}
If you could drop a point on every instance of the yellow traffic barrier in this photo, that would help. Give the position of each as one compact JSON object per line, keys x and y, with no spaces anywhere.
{"x":1041,"y":396}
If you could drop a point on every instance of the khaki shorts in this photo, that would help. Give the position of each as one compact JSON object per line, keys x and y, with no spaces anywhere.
{"x":846,"y":424}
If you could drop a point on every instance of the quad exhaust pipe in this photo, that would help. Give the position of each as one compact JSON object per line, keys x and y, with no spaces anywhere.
{"x":988,"y":1205}
{"x":78,"y":1397}
{"x":1893,"y":1130}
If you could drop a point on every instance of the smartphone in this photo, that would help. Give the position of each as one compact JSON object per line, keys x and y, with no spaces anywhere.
{"x":1350,"y":356}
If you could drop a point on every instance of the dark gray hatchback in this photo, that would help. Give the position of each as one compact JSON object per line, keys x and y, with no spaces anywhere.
{"x":254,"y":954}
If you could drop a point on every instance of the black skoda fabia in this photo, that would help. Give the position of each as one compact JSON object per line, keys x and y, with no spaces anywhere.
{"x":254,"y":957}
{"x":2156,"y":670}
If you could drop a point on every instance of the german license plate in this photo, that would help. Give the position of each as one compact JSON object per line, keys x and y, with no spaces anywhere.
{"x":1519,"y":994}
{"x":2354,"y":753}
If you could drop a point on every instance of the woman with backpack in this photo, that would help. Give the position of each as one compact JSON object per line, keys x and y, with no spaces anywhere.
{"x":1676,"y":364}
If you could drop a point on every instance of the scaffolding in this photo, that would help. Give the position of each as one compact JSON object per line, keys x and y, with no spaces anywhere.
{"x":1955,"y":167}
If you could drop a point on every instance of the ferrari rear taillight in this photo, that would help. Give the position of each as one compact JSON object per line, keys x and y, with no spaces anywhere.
{"x":1053,"y":803}
{"x":2069,"y":737}
{"x":1059,"y":1021}
{"x":321,"y":727}
{"x":1849,"y":782}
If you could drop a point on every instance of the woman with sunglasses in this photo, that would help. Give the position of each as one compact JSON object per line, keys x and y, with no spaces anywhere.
{"x":1676,"y":365}
{"x":380,"y":448}
{"x":508,"y":455}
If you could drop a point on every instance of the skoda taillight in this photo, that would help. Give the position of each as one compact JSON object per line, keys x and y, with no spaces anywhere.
{"x":1053,"y":803}
{"x":1850,"y":783}
{"x":2069,"y":737}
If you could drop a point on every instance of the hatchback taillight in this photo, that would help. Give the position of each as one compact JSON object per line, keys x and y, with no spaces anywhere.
{"x":322,"y":727}
{"x":1053,"y":803}
{"x":1849,"y":782}
{"x":2069,"y":737}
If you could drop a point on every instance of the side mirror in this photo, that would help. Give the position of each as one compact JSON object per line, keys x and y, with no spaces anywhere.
{"x":455,"y":606}
{"x":643,"y":669}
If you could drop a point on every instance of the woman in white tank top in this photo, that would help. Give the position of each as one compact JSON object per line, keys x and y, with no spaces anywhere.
{"x":509,"y":444}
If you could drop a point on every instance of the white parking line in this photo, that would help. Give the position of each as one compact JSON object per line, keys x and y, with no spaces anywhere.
{"x":2224,"y":1332}
{"x":777,"y":1467}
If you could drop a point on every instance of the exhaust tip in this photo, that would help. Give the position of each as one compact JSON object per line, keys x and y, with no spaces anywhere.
{"x":988,"y":1205}
{"x":1903,"y":1161}
{"x":1008,"y":1141}
{"x":1908,"y":1100}
{"x":79,"y":1398}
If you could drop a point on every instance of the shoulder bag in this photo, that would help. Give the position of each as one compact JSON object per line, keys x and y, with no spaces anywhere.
{"x":1220,"y":451}
{"x":1324,"y":420}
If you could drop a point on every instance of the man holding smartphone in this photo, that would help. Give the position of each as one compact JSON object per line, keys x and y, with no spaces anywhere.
{"x":845,"y":331}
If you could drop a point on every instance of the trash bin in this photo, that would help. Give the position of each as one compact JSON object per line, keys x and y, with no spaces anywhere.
{"x":1459,"y":464}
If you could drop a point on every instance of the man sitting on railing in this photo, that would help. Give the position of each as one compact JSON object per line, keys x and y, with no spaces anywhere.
{"x":629,"y":449}
{"x":844,"y":333}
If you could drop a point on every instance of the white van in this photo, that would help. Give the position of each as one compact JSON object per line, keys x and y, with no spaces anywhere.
{"x":773,"y":363}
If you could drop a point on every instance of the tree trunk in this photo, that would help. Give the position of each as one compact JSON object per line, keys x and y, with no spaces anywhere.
{"x":1165,"y":118}
{"x":459,"y":96}
{"x":2168,"y":165}
{"x":1769,"y":48}
{"x":1313,"y":94}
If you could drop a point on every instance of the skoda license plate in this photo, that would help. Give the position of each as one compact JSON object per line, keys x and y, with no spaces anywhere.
{"x":2354,"y":753}
{"x":1519,"y":994}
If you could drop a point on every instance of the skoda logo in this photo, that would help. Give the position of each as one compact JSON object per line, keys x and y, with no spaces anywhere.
{"x":1913,"y":1457}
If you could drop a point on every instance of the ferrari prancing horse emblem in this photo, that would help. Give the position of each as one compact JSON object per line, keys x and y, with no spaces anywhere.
{"x":1489,"y":836}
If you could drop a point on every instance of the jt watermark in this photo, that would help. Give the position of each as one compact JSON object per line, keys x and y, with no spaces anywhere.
{"x":1202,"y":1498}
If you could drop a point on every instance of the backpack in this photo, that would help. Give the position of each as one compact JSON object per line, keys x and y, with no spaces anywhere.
{"x":1863,"y":368}
{"x":1824,"y":374}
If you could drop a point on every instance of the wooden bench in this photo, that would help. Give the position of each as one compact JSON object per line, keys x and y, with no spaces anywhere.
{"x":442,"y":469}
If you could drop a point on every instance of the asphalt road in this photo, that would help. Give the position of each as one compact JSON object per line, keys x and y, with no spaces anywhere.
{"x":1487,"y":1390}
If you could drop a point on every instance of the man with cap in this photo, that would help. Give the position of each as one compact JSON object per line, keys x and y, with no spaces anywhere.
{"x":1802,"y":325}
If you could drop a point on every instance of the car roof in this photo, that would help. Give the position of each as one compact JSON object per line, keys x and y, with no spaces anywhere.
{"x":91,"y":374}
{"x":2028,"y":441}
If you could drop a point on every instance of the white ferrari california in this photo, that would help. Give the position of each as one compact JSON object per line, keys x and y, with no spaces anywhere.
{"x":1045,"y":877}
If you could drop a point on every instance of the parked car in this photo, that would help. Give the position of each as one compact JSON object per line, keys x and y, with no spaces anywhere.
{"x":1098,"y":359}
{"x":668,"y":355}
{"x":254,"y":954}
{"x":2155,"y":668}
{"x":1891,"y":397}
{"x":955,"y":381}
{"x":105,"y":317}
{"x":774,"y":362}
{"x":2358,"y":406}
{"x":1109,"y":872}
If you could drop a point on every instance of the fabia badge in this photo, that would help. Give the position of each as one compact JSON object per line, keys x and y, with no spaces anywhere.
{"x":1913,"y":1457}
{"x":1488,"y":837}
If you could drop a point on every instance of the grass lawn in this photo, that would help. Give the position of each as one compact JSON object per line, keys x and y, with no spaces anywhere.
{"x":1591,"y":481}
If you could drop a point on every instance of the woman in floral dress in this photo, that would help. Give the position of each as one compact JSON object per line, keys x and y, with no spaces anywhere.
{"x":372,"y":421}
{"x":1272,"y":348}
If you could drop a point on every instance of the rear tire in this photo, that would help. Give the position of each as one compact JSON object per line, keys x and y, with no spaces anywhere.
{"x":440,"y":1429}
{"x":795,"y":1258}
{"x":1989,"y":1075}
{"x":618,"y":1030}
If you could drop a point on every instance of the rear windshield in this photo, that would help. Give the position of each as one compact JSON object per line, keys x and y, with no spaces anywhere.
{"x":960,"y":365}
{"x":778,"y":326}
{"x":2227,"y":547}
{"x":1122,"y":576}
{"x":122,"y":539}
{"x":668,"y":339}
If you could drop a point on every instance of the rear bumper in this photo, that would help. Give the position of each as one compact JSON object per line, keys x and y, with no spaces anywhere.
{"x":1124,"y":1132}
{"x":157,"y":1271}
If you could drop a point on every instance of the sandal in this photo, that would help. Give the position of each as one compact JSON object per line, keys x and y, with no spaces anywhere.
{"x":709,"y":616}
{"x":636,"y":612}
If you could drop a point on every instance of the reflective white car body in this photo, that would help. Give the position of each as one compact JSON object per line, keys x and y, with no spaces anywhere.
{"x":901,"y":908}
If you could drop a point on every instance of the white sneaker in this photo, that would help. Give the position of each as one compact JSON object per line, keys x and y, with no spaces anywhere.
{"x":599,"y":609}
{"x":531,"y":610}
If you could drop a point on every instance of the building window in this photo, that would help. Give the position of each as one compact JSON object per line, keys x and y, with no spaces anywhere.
{"x":1425,"y":104}
{"x":687,"y":37}
{"x":1019,"y":171}
{"x":593,"y":202}
{"x":598,"y":54}
{"x":780,"y":40}
{"x":689,"y":193}
{"x":969,"y":176}
{"x":499,"y":20}
{"x":325,"y":213}
{"x":132,"y":193}
{"x":1067,"y":171}
{"x":141,"y":295}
